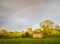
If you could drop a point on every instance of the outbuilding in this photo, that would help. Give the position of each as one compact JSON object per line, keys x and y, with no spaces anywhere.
{"x":38,"y":35}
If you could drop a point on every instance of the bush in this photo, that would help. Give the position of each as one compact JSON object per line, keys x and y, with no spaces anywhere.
{"x":55,"y":35}
{"x":27,"y":34}
{"x":23,"y":36}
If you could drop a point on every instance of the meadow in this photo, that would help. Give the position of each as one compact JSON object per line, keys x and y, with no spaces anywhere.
{"x":30,"y":41}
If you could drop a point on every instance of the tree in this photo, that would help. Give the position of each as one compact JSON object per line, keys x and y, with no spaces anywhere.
{"x":29,"y":29}
{"x":27,"y":34}
{"x":47,"y":25}
{"x":10,"y":34}
{"x":23,"y":36}
{"x":54,"y":33}
{"x":57,"y":27}
{"x":37,"y":30}
{"x":16,"y":34}
{"x":3,"y":33}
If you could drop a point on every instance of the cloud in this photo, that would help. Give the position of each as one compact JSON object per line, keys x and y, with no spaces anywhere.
{"x":41,"y":10}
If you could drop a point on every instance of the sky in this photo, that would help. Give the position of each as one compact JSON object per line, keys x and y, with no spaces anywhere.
{"x":18,"y":15}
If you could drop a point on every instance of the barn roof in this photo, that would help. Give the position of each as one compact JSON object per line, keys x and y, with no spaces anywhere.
{"x":37,"y":32}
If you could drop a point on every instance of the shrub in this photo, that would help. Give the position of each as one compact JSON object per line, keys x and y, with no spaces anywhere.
{"x":27,"y":34}
{"x":57,"y":35}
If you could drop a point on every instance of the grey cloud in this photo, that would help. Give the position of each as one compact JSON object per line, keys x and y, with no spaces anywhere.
{"x":33,"y":15}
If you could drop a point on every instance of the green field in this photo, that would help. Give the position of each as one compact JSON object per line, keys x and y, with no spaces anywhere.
{"x":30,"y":41}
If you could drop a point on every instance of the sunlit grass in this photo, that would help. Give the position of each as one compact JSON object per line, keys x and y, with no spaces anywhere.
{"x":30,"y":41}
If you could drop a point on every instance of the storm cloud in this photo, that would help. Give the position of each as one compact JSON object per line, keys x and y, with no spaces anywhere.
{"x":20,"y":14}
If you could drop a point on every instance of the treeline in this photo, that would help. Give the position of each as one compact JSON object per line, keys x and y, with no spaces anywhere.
{"x":15,"y":34}
{"x":48,"y":28}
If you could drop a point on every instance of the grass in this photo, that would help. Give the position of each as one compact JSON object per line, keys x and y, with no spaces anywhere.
{"x":30,"y":41}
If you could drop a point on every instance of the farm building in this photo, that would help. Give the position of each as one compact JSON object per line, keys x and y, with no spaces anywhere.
{"x":38,"y":35}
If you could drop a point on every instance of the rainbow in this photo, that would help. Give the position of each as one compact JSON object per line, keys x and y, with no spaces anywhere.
{"x":27,"y":8}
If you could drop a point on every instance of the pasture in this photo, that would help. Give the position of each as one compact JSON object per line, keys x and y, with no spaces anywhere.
{"x":30,"y":41}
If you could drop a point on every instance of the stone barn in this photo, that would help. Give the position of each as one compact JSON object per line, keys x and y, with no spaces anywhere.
{"x":38,"y":35}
